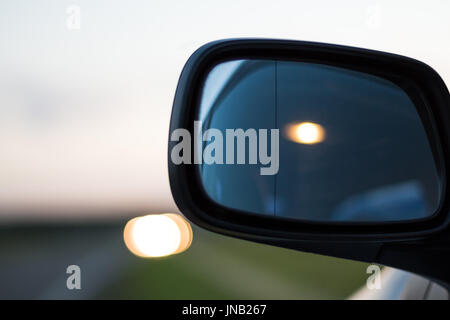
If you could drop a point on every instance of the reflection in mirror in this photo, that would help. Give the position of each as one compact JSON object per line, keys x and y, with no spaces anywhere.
{"x":351,"y":146}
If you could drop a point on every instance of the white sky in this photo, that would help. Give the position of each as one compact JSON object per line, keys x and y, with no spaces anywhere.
{"x":84,"y":114}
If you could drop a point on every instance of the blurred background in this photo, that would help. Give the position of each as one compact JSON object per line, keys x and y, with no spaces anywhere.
{"x":86,"y":89}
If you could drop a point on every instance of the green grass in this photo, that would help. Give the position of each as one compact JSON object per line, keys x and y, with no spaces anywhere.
{"x":218,"y":267}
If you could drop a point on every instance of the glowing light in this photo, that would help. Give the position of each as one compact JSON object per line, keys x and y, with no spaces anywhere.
{"x":306,"y":132}
{"x":158,"y":235}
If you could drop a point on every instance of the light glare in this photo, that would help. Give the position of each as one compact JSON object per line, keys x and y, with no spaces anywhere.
{"x":157,"y":235}
{"x":306,"y":132}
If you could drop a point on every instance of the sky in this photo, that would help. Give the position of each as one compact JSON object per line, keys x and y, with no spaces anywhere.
{"x":84,"y":112}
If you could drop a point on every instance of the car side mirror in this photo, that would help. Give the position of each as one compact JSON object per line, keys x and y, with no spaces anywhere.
{"x":322,"y":148}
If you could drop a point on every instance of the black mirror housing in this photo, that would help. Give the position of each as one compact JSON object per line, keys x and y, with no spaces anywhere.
{"x":408,"y":245}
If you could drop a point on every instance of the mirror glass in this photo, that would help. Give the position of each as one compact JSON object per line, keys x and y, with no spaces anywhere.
{"x":313,"y":142}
